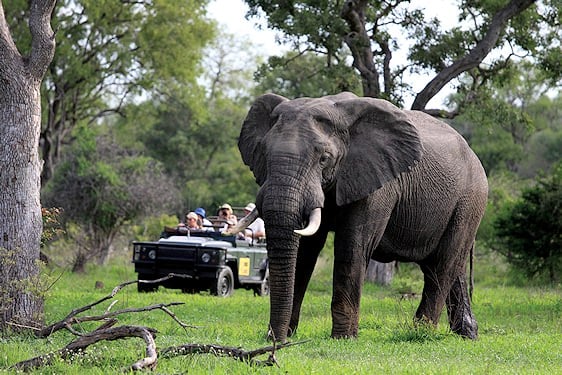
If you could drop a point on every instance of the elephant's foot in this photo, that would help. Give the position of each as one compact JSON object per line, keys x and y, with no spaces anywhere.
{"x":350,"y":332}
{"x":466,"y":327}
{"x":338,"y":336}
{"x":272,"y":337}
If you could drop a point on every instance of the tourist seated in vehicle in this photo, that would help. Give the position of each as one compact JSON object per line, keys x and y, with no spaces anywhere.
{"x":206,"y":224}
{"x":191,"y":222}
{"x":225,"y":212}
{"x":256,"y":230}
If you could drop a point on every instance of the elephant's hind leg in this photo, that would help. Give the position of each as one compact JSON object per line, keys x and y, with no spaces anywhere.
{"x":461,"y":319}
{"x":444,"y":275}
{"x":435,"y":289}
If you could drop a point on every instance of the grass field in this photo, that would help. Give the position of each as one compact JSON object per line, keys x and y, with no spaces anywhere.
{"x":520,"y":329}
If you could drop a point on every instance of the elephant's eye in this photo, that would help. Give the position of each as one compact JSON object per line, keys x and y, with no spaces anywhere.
{"x":325,"y":159}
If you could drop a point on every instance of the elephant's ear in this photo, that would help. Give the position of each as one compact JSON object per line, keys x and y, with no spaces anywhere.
{"x":383,"y":143}
{"x":256,"y":125}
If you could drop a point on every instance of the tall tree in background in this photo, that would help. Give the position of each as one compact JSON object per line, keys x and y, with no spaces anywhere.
{"x":109,"y":52}
{"x":20,"y":166}
{"x":376,"y":31}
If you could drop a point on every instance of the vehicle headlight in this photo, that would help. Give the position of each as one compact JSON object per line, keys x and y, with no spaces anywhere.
{"x":206,"y":257}
{"x":152,"y":254}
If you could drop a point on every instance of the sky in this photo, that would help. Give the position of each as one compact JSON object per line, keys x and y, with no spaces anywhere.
{"x":230,"y":13}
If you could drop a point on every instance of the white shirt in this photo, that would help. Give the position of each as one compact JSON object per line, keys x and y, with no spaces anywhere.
{"x":257,"y":226}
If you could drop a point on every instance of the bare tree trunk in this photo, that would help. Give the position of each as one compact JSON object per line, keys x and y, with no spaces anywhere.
{"x":380,"y":273}
{"x":20,"y":168}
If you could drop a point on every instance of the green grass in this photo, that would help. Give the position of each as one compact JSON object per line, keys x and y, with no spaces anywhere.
{"x":520,"y":329}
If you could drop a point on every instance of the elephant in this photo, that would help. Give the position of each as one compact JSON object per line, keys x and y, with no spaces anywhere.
{"x":392,"y":184}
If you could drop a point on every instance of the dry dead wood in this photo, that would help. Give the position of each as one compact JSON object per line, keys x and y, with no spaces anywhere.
{"x":107,"y":332}
{"x":82,"y":342}
{"x":238,"y":354}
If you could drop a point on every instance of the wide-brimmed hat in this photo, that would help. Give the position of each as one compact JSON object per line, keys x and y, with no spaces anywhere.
{"x":226,"y":206}
{"x":250,"y":207}
{"x":201,"y":212}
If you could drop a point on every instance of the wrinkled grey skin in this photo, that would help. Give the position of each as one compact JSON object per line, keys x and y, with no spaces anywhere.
{"x":392,"y":185}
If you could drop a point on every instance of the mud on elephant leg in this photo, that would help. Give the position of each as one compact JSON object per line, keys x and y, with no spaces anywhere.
{"x":461,"y":319}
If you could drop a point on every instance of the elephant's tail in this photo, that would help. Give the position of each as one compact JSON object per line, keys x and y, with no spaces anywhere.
{"x":471,"y":273}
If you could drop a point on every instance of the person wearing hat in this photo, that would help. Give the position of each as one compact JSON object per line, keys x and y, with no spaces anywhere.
{"x":202,"y":214}
{"x":257,"y":228}
{"x":226,"y":214}
{"x":191,"y":221}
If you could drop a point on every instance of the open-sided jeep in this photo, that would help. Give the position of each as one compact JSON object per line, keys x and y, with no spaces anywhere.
{"x":207,"y":260}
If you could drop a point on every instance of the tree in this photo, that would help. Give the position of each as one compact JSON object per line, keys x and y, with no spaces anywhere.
{"x":529,"y":230}
{"x":101,"y":188}
{"x":20,"y":123}
{"x":109,"y":53}
{"x":197,"y":143}
{"x":375,"y":31}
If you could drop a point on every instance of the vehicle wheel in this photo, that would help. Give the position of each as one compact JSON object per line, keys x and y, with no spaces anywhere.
{"x":263,"y":289}
{"x":144,"y":287}
{"x":224,"y":284}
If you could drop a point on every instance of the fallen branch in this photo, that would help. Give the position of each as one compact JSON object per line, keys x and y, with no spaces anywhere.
{"x":226,"y":351}
{"x":71,"y":318}
{"x":109,"y":334}
{"x":107,"y":331}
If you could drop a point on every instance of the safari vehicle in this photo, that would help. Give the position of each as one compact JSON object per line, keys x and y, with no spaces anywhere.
{"x":202,"y":261}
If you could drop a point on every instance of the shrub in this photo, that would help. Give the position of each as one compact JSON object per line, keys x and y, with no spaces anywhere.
{"x":529,"y":230}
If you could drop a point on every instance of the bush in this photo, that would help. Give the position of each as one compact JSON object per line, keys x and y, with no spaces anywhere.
{"x":529,"y":230}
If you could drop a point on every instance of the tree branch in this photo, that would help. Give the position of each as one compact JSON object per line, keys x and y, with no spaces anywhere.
{"x":42,"y":37}
{"x":475,"y":56}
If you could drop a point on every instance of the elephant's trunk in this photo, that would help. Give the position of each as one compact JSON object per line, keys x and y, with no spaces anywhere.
{"x":281,"y":211}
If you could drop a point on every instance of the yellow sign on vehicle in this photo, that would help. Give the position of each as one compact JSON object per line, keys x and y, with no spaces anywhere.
{"x":244,"y":266}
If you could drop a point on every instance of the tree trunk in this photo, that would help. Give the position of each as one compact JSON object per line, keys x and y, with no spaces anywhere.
{"x":380,"y":273}
{"x":20,"y":169}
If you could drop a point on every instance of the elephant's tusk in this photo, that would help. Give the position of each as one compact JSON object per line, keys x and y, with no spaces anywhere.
{"x":243,"y":223}
{"x":313,"y":223}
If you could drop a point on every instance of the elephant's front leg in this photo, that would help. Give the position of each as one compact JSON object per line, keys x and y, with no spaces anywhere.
{"x":349,"y":272}
{"x":309,"y":249}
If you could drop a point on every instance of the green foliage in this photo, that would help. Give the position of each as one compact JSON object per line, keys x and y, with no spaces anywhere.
{"x":295,"y":76}
{"x":313,"y":27}
{"x":511,"y":125}
{"x":151,"y":228}
{"x":530,"y":229}
{"x":52,"y":227}
{"x":110,"y":52}
{"x":503,"y":189}
{"x":103,"y":196}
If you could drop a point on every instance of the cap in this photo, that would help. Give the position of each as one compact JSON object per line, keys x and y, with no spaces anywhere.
{"x":250,"y":207}
{"x":191,"y":215}
{"x":200,"y":211}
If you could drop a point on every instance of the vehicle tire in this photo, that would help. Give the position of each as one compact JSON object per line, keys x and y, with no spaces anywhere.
{"x":144,"y":287}
{"x":262,"y":290}
{"x":224,"y":285}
